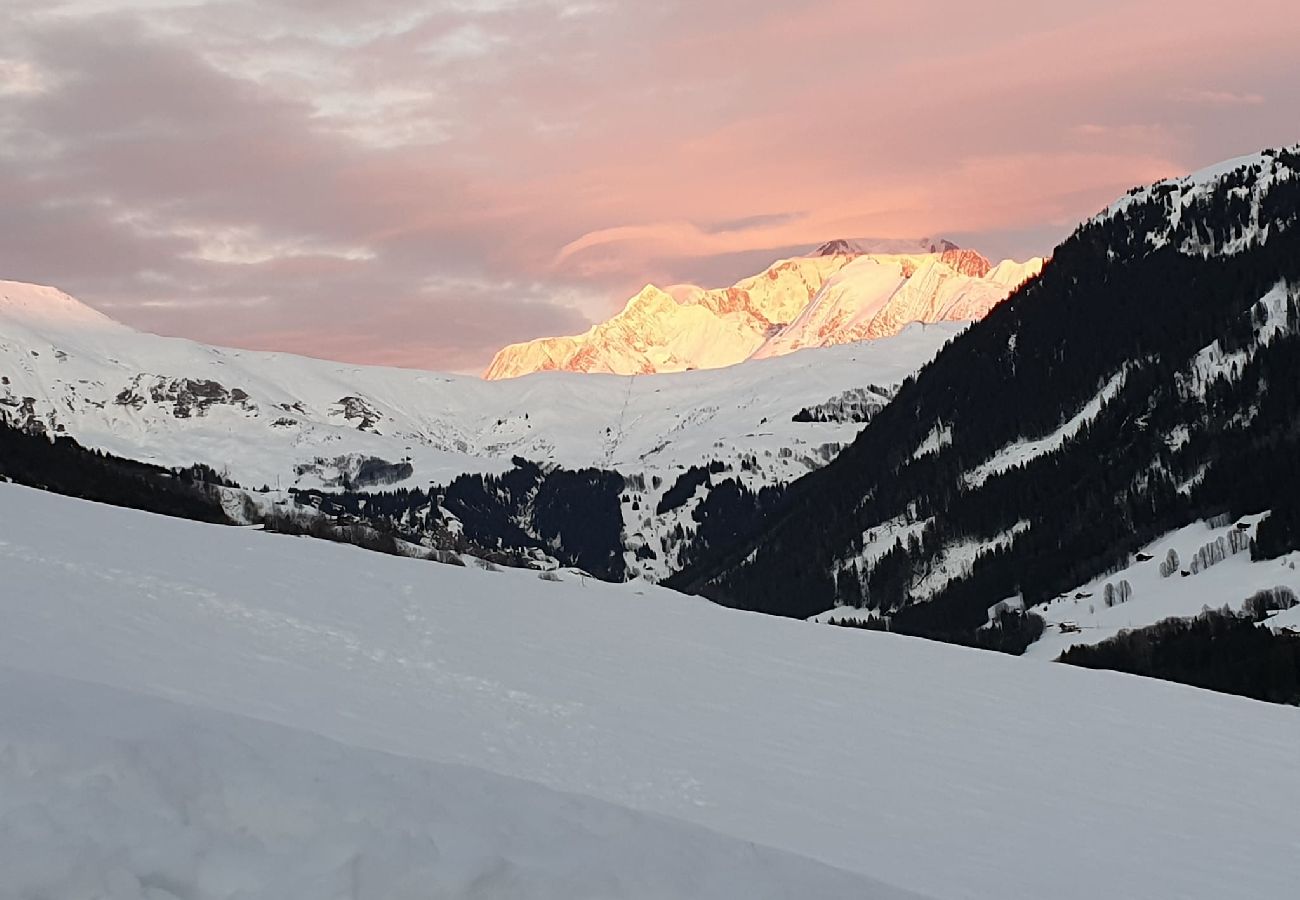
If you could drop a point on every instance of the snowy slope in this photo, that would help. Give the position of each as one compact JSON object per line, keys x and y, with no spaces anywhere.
{"x":1155,"y":597}
{"x":117,"y":795}
{"x":264,"y":416}
{"x":843,"y":292}
{"x":949,"y":772}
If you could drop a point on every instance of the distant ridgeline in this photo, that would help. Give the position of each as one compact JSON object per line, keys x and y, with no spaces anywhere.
{"x":528,"y":516}
{"x":1150,"y":377}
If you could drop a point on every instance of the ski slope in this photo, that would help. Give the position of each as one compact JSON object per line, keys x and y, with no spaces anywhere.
{"x":947,"y":772}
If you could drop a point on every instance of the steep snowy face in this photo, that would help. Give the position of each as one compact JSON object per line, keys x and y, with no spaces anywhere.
{"x":683,"y":328}
{"x":876,"y":296}
{"x":843,"y":291}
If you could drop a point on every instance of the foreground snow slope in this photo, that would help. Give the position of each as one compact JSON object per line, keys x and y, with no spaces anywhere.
{"x":269,"y":417}
{"x":116,"y":795}
{"x":949,"y":772}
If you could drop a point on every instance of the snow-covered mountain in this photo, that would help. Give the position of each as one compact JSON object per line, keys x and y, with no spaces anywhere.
{"x":1144,"y":382}
{"x":287,"y":421}
{"x":211,"y":712}
{"x":842,"y":292}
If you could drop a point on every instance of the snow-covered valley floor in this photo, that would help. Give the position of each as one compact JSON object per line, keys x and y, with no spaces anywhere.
{"x":437,"y":729}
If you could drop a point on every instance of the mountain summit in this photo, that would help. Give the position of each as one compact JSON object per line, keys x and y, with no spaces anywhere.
{"x":841,"y":292}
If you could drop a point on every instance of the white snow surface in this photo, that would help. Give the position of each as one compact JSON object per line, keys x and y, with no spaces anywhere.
{"x":112,"y":794}
{"x":950,"y":772}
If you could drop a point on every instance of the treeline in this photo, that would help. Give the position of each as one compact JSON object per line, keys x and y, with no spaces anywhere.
{"x":61,"y":465}
{"x":686,"y":484}
{"x":1011,"y":631}
{"x":573,"y":516}
{"x":1218,"y":650}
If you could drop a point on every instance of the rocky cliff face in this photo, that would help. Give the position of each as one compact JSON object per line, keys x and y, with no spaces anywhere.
{"x":841,"y":292}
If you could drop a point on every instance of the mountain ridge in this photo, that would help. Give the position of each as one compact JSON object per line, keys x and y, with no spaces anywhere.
{"x":842,"y":291}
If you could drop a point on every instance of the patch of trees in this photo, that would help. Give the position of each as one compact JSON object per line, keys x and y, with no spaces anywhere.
{"x":1170,"y":564}
{"x":1012,"y":631}
{"x":572,"y":516}
{"x":854,"y":405}
{"x":729,"y":514}
{"x":61,"y":465}
{"x":686,"y":484}
{"x":579,"y":516}
{"x":1116,"y":594}
{"x":1217,"y":550}
{"x":1279,"y":532}
{"x":375,"y":471}
{"x":324,"y":528}
{"x":1259,"y":604}
{"x":1217,"y":650}
{"x":869,"y":623}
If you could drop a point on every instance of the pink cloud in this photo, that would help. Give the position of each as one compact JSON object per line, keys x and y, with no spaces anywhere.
{"x":1222,"y":98}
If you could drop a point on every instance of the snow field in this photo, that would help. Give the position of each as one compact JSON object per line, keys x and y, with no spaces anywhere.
{"x":952,"y":773}
{"x":108,"y":794}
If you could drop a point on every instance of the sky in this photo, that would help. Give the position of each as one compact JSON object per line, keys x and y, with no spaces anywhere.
{"x":417,"y":183}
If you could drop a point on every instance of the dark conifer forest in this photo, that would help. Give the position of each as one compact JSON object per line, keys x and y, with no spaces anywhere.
{"x":1218,"y":650}
{"x":1124,"y":300}
{"x":572,"y":516}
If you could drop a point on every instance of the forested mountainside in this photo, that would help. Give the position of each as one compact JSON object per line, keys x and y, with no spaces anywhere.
{"x":1150,"y":376}
{"x":551,"y":516}
{"x":61,"y":465}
